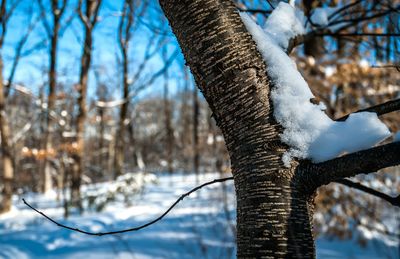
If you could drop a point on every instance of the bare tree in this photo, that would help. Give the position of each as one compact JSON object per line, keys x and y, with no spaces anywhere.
{"x":53,"y":30}
{"x":6,"y":10}
{"x":124,"y":35}
{"x":88,"y":13}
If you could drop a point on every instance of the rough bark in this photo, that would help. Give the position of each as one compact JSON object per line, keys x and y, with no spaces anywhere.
{"x":273,"y":213}
{"x":274,"y":203}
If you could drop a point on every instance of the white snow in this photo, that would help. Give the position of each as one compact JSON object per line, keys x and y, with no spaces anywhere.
{"x":320,"y":15}
{"x":309,"y":132}
{"x":198,"y":227}
{"x":284,"y":23}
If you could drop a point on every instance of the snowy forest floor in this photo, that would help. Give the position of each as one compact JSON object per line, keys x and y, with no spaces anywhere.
{"x":201,"y":226}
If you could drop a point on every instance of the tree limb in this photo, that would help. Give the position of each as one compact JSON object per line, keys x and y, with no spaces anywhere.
{"x":361,"y":162}
{"x":380,"y":109}
{"x":129,"y":229}
{"x":395,"y":201}
{"x":262,"y":11}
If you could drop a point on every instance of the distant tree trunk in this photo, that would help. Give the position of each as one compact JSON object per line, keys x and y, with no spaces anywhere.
{"x":196,"y":156}
{"x":100,"y":158}
{"x":89,"y":20}
{"x":124,"y":35}
{"x":169,"y":134}
{"x":6,"y":154}
{"x":185,"y":121}
{"x":313,"y":47}
{"x":45,"y":175}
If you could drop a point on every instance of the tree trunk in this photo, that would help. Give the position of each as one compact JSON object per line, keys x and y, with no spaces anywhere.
{"x":120,"y":137}
{"x":45,"y":176}
{"x":315,"y":45}
{"x":7,"y":176}
{"x":77,"y":169}
{"x":169,"y":134}
{"x":273,"y":205}
{"x":6,"y":156}
{"x":196,"y":156}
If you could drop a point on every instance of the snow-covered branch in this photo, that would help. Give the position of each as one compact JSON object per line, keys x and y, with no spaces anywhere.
{"x":361,"y":162}
{"x":309,"y":132}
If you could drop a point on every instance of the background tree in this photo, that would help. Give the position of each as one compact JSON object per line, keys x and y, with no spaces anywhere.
{"x":52,"y":29}
{"x":88,"y":14}
{"x":6,"y":155}
{"x":124,"y":35}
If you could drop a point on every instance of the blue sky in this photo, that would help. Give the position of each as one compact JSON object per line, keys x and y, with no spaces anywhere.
{"x":32,"y":69}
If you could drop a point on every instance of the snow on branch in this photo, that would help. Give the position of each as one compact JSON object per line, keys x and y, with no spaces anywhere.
{"x":308,"y":131}
{"x":128,"y":229}
{"x":361,"y":162}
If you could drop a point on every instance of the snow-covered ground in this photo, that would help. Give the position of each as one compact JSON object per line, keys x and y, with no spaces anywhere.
{"x":199,"y":227}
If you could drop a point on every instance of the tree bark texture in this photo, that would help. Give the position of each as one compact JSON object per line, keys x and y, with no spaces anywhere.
{"x":273,"y":210}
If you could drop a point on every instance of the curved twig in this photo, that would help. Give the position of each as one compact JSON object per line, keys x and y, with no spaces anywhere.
{"x":129,"y":229}
{"x":395,"y":201}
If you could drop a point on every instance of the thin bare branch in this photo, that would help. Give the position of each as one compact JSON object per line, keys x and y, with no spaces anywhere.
{"x":361,"y":34}
{"x":19,"y":54}
{"x":128,"y":229}
{"x":395,"y":201}
{"x":45,"y":23}
{"x":380,"y":109}
{"x":262,"y":11}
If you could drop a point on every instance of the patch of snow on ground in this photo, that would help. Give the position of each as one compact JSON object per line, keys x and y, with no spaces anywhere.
{"x":308,"y":131}
{"x":198,"y":227}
